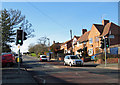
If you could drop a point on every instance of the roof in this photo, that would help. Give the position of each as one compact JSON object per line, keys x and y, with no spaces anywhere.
{"x":77,"y":37}
{"x":58,"y":44}
{"x":107,"y":28}
{"x":99,"y":27}
{"x":77,"y":40}
{"x":84,"y":37}
{"x":67,"y":42}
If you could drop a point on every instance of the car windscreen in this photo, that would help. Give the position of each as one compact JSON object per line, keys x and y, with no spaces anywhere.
{"x":43,"y":56}
{"x":74,"y":57}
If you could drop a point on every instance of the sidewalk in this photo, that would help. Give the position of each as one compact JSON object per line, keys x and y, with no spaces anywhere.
{"x":10,"y":76}
{"x":114,"y":66}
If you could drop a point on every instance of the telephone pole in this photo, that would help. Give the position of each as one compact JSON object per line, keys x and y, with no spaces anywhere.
{"x":71,"y":39}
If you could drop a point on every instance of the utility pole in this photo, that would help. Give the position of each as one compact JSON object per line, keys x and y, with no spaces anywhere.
{"x":71,"y":39}
{"x":49,"y":47}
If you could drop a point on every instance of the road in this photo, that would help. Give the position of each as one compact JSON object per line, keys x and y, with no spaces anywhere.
{"x":56,"y":72}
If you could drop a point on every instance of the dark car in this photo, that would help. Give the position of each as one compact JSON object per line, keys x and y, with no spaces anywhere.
{"x":8,"y":59}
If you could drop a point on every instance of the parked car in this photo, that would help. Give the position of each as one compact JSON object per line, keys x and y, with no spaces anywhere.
{"x":43,"y":58}
{"x":72,"y":60}
{"x":8,"y":59}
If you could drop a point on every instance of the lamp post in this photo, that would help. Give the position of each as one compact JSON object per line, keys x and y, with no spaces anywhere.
{"x":48,"y":43}
{"x":49,"y":47}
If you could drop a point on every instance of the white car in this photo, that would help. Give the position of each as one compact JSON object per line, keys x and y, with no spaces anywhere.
{"x":72,"y":60}
{"x":43,"y":58}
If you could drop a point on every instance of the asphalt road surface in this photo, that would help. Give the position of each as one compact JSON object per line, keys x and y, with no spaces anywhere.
{"x":56,"y":72}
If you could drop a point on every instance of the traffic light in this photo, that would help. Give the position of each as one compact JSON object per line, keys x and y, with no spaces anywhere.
{"x":19,"y":38}
{"x":102,"y":43}
{"x":24,"y":37}
{"x":107,"y":42}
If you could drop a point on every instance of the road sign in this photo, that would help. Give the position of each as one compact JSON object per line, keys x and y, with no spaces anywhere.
{"x":111,"y":36}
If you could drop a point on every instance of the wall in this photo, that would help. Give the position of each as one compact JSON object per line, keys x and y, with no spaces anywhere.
{"x":93,"y":34}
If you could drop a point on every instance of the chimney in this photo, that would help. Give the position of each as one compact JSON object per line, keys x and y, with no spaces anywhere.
{"x":84,"y":30}
{"x":104,"y":22}
{"x":53,"y":42}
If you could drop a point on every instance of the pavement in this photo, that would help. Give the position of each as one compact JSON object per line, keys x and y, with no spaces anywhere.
{"x":114,"y":66}
{"x":11,"y":76}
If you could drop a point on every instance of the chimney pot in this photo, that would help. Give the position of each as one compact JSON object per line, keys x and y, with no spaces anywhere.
{"x":53,"y":42}
{"x":104,"y":22}
{"x":84,"y":30}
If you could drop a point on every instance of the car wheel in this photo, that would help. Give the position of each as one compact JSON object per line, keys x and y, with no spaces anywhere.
{"x":64,"y":64}
{"x":70,"y":64}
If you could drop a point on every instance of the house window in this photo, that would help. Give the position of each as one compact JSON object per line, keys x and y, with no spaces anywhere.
{"x":78,"y":44}
{"x":96,"y":39}
{"x":90,"y":40}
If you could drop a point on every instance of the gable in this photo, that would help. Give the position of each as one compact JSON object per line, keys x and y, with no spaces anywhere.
{"x":94,"y":32}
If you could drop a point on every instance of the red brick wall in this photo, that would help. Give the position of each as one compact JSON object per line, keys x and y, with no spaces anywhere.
{"x":109,"y":60}
{"x":115,"y":30}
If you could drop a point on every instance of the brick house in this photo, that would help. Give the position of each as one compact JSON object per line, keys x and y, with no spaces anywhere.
{"x":112,"y":29}
{"x":80,"y":45}
{"x":66,"y":47}
{"x":94,"y":41}
{"x":55,"y":48}
{"x":97,"y":31}
{"x":90,"y":41}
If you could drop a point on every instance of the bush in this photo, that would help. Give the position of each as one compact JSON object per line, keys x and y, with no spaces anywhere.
{"x":33,"y":54}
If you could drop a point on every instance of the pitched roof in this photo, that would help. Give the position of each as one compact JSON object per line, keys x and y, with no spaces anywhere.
{"x":77,"y":40}
{"x":84,"y":37}
{"x":77,"y":37}
{"x":67,"y":42}
{"x":107,"y":28}
{"x":99,"y":27}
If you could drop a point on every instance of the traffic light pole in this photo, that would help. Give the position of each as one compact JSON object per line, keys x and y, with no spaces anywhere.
{"x":105,"y":51}
{"x":18,"y":59}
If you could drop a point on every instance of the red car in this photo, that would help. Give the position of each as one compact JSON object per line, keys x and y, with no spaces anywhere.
{"x":8,"y":59}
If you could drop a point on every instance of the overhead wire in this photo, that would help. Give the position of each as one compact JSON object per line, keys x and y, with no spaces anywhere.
{"x":43,"y":13}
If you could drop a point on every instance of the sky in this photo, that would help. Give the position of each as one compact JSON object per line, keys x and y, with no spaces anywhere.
{"x":54,"y":20}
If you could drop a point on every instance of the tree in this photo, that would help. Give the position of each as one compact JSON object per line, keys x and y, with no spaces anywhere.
{"x":38,"y":48}
{"x":10,"y":21}
{"x":43,"y":40}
